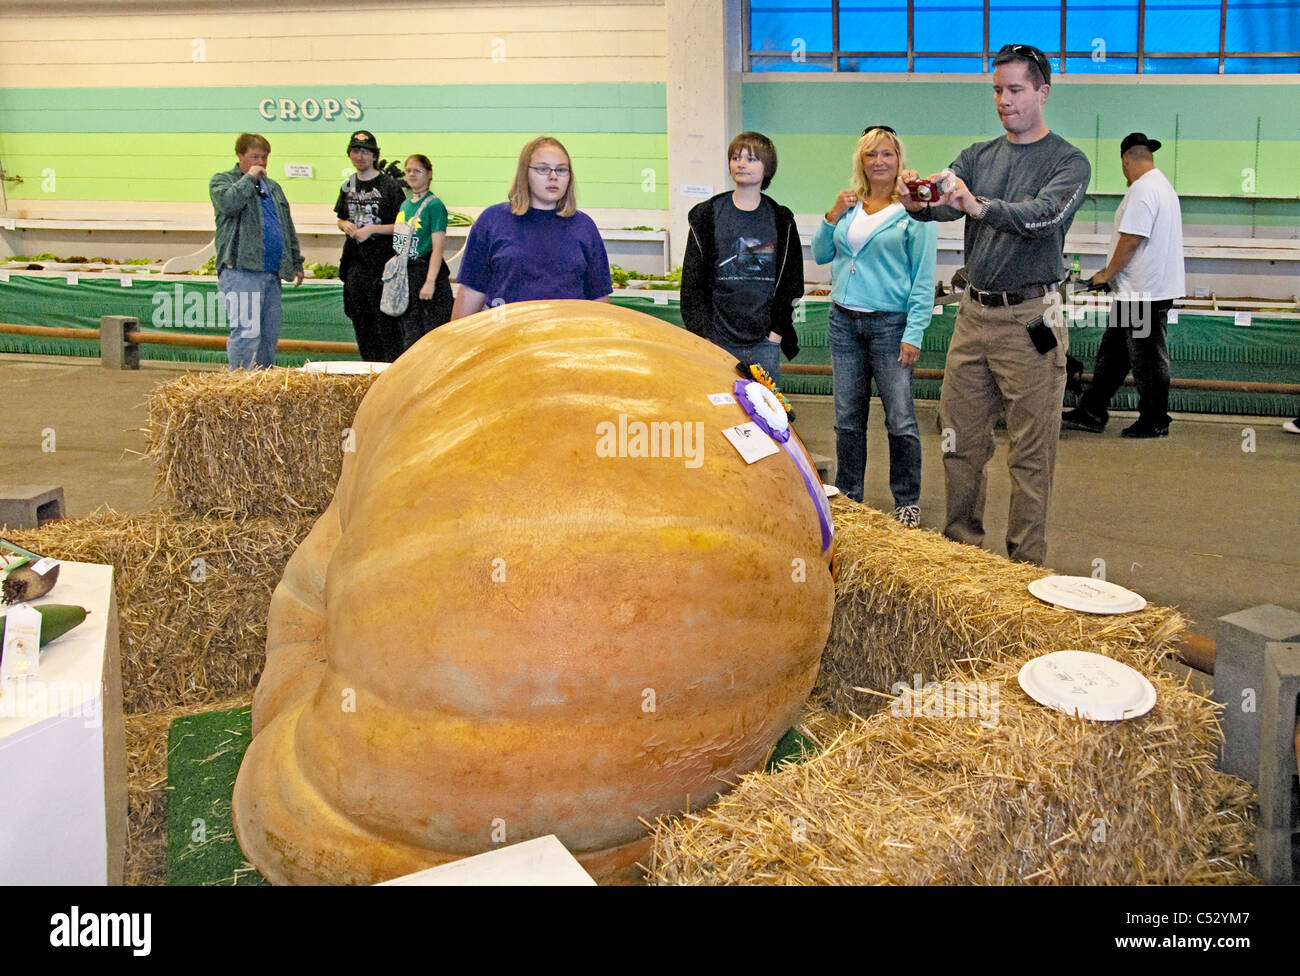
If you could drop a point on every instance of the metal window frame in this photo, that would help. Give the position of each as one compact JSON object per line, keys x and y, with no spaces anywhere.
{"x":1140,"y":56}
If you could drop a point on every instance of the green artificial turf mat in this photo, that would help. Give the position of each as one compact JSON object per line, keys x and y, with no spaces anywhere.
{"x":203,"y":756}
{"x":794,"y":748}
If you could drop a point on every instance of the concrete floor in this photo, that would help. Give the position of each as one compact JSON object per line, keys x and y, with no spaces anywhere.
{"x":1192,"y":520}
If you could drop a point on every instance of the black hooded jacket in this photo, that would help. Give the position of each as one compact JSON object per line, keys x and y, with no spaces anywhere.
{"x":702,"y":258}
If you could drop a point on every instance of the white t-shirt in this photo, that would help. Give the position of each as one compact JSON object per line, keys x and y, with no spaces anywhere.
{"x":863,"y":226}
{"x":1150,"y":209}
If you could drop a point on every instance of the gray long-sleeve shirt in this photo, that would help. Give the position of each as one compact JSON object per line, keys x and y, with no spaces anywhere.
{"x":1033,"y":190}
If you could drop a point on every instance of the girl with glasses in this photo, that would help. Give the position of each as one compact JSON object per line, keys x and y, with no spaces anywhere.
{"x":882,"y":294}
{"x":538,"y":244}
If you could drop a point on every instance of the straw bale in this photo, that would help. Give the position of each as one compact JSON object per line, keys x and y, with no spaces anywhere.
{"x":192,"y":596}
{"x":911,"y":602}
{"x":259,"y":443}
{"x":1035,"y":797}
{"x":146,"y":787}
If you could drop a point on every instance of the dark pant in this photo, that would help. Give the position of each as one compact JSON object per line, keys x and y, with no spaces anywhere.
{"x":764,"y":352}
{"x":865,"y":346}
{"x":422,"y":317}
{"x":1135,"y":338}
{"x":379,"y":340}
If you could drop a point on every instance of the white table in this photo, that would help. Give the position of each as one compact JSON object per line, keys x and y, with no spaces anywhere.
{"x":62,"y":755}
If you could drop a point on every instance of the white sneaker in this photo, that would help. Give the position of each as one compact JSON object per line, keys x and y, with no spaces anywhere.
{"x":908,"y":515}
{"x":1292,"y":426}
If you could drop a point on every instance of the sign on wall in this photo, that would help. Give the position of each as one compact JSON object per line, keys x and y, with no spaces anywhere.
{"x":309,"y":109}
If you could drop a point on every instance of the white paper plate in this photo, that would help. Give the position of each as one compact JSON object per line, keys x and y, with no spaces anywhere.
{"x":345,"y":368}
{"x":1089,"y":685}
{"x":831,"y":490}
{"x":1086,"y":594}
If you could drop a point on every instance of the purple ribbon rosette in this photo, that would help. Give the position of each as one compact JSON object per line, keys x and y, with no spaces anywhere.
{"x":769,"y":414}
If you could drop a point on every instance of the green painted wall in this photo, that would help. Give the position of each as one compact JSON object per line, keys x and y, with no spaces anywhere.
{"x":164,"y":144}
{"x":1211,"y":134}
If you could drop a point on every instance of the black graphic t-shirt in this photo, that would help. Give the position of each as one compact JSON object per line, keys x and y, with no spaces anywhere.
{"x":366,"y":202}
{"x":745,"y":276}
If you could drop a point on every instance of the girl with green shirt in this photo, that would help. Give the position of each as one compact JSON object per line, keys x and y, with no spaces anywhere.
{"x":421,"y":227}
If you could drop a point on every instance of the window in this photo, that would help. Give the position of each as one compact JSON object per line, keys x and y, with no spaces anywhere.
{"x":1079,"y":36}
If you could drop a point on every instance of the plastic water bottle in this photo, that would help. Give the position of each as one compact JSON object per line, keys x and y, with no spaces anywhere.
{"x":1076,"y":269}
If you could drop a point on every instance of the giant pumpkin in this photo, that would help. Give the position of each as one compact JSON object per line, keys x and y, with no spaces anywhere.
{"x":501,"y":628}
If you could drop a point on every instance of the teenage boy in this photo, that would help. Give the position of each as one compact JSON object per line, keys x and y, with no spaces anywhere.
{"x":367,"y":208}
{"x":743,"y":270}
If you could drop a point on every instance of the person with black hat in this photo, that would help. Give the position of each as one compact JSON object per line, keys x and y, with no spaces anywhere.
{"x":367,"y":208}
{"x":1145,"y":273}
{"x":1018,"y":194}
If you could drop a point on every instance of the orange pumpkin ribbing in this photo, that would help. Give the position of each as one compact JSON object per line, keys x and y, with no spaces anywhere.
{"x":532,"y":634}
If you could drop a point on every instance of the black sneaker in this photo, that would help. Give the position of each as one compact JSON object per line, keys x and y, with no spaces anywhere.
{"x":1080,"y":419}
{"x":1144,"y":430}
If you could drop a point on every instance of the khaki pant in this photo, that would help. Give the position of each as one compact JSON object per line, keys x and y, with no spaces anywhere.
{"x":993,"y":368}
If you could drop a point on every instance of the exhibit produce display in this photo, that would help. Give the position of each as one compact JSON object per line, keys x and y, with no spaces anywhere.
{"x":575,"y":574}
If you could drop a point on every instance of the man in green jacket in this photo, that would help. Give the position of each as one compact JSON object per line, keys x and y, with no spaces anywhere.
{"x":256,"y":247}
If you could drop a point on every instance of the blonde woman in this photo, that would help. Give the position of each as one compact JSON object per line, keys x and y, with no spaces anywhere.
{"x":882,"y":294}
{"x":538,"y":244}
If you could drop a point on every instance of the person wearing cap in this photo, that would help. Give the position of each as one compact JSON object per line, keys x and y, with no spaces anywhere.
{"x":1018,"y":194}
{"x":367,"y":208}
{"x":256,"y":247}
{"x":1145,"y":272}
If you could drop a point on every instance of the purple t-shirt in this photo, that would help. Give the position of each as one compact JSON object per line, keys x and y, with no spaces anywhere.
{"x":538,"y":255}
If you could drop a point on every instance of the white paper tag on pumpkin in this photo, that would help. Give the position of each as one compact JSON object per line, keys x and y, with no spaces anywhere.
{"x":750,"y":441}
{"x":43,"y":566}
{"x":719,"y":399}
{"x":22,"y":644}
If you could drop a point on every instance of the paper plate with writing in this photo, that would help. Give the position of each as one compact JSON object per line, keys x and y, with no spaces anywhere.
{"x":1085,"y":594}
{"x":1088,"y":685}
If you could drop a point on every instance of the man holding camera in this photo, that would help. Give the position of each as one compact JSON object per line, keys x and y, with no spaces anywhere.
{"x":1019,"y":194}
{"x":1145,"y":271}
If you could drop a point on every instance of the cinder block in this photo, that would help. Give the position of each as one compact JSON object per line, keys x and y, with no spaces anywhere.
{"x":1239,"y":680}
{"x":27,"y":506}
{"x":825,"y":467}
{"x":1277,"y":761}
{"x":114,"y":351}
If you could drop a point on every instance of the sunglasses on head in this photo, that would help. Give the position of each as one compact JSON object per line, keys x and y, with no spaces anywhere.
{"x":1028,"y":51}
{"x":883,"y":128}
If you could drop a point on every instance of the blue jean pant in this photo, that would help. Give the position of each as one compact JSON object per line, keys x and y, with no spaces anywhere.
{"x":252,"y":301}
{"x":864,"y":346}
{"x":766,"y":353}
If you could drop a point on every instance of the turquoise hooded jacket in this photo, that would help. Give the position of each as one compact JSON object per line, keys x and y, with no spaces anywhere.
{"x":893,"y":272}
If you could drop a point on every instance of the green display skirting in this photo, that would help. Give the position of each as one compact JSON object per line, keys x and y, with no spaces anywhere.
{"x":203,"y":756}
{"x":1200,"y":346}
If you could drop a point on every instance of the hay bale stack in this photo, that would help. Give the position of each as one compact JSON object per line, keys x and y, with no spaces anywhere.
{"x":192,"y":596}
{"x":911,"y":602}
{"x":146,"y":787}
{"x":1038,"y":797}
{"x":260,"y":443}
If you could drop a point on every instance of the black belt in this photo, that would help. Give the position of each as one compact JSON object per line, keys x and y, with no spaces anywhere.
{"x":999,"y":299}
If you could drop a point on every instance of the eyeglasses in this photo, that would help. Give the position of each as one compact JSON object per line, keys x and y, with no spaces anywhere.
{"x":1030,"y":52}
{"x":882,"y":128}
{"x":544,"y":170}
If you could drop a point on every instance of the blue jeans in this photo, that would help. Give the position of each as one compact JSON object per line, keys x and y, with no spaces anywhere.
{"x":766,"y":353}
{"x":864,"y":346}
{"x":252,"y":302}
